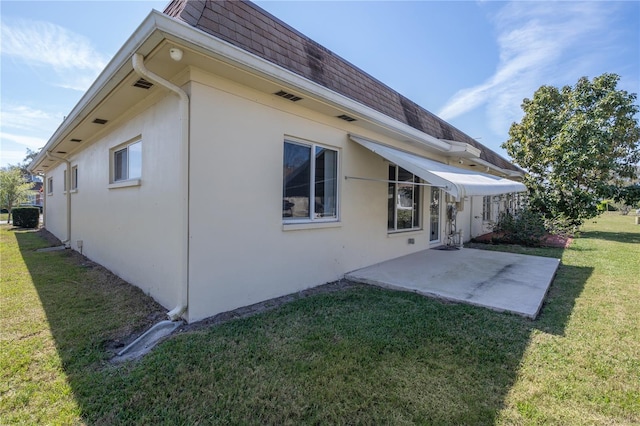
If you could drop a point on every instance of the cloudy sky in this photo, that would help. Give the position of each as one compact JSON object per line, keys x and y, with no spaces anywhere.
{"x":471,"y":63}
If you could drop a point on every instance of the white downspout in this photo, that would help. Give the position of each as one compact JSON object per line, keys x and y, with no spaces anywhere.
{"x":67,"y":184}
{"x":139,"y":67}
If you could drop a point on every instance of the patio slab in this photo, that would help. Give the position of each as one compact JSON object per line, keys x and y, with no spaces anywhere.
{"x":500,"y":281}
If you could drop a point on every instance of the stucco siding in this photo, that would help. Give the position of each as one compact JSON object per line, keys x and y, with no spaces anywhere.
{"x":133,"y":231}
{"x":56,"y":203}
{"x":240,"y":251}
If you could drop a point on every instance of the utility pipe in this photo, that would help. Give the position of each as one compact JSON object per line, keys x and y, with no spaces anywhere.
{"x":67,"y":185}
{"x":139,"y":67}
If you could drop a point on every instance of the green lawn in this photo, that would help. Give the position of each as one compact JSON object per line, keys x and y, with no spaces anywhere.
{"x":360,"y":355}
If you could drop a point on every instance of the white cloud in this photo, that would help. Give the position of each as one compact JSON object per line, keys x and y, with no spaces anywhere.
{"x":23,"y":117}
{"x":72,"y":57}
{"x":539,"y":43}
{"x":11,"y":157}
{"x":31,"y":142}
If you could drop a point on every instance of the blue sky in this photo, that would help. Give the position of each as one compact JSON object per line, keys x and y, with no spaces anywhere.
{"x":471,"y":63}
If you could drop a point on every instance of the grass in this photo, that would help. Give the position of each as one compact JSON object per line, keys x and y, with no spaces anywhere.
{"x":360,"y":355}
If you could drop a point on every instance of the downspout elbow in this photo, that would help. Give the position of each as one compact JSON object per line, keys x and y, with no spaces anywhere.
{"x":137,"y":62}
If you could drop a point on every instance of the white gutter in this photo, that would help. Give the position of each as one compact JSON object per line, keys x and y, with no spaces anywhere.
{"x":139,"y":67}
{"x":67,"y":185}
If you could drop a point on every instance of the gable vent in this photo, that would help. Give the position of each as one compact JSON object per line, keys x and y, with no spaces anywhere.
{"x":100,"y":121}
{"x":346,"y":118}
{"x":143,"y":84}
{"x":286,"y":95}
{"x":75,"y":140}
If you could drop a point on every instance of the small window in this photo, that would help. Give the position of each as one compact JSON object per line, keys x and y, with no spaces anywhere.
{"x":74,"y":178}
{"x":486,"y":208}
{"x":404,"y":200}
{"x":50,"y":186}
{"x":127,"y":162}
{"x":310,"y":182}
{"x":64,"y":182}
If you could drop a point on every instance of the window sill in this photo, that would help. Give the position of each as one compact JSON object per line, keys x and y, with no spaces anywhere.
{"x":404,"y":233}
{"x":125,"y":183}
{"x":297,"y":226}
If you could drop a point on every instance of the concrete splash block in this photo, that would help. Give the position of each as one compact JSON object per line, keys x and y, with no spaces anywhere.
{"x":48,"y":249}
{"x":147,"y":340}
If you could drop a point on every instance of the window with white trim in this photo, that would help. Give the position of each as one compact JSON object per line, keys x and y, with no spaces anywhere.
{"x":127,"y":162}
{"x":404,"y":200}
{"x":50,"y":186}
{"x":74,"y":178}
{"x":310,"y":182}
{"x":64,"y":181}
{"x":486,"y":208}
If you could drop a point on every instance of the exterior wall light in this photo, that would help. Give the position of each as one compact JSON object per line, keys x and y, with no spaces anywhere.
{"x":175,"y":53}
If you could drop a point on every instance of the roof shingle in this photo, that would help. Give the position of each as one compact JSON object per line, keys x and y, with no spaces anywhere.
{"x":251,"y":28}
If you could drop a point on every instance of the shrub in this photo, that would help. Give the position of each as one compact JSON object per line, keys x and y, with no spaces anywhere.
{"x":607,"y":205}
{"x":26,"y":217}
{"x":525,"y":227}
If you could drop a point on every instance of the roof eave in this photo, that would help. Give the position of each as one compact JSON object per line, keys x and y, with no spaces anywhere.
{"x":109,"y":78}
{"x":157,"y":27}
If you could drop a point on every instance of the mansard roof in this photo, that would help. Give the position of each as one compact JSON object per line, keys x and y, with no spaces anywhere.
{"x":251,"y":28}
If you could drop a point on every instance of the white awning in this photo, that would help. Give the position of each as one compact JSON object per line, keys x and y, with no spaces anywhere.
{"x":454,"y":180}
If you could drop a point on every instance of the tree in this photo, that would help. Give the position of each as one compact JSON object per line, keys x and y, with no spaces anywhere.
{"x":14,"y":188}
{"x":574,"y":143}
{"x":29,"y":157}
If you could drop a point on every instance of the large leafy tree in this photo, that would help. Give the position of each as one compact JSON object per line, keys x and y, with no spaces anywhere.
{"x":577,"y":145}
{"x":14,"y":188}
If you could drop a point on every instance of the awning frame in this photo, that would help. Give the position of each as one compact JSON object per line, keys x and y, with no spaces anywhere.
{"x":456,"y":181}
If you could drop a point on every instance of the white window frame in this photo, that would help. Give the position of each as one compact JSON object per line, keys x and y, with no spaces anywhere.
{"x":312,"y":219}
{"x":419,"y":205}
{"x":64,"y":181}
{"x":487,"y":208}
{"x":74,"y":178}
{"x":50,"y":185}
{"x":128,"y":180}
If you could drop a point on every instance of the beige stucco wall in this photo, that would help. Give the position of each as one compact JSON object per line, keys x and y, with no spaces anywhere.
{"x":133,"y":231}
{"x":56,"y":203}
{"x":240,"y":251}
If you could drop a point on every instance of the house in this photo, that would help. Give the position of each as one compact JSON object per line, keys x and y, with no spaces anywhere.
{"x":222,"y":158}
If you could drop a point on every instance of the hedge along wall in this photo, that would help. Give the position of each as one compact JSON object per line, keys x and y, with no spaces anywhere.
{"x":26,"y":217}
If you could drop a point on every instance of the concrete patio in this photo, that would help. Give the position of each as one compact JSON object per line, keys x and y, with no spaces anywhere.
{"x":500,"y":281}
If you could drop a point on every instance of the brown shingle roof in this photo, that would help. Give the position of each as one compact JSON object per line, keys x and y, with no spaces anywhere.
{"x":251,"y":28}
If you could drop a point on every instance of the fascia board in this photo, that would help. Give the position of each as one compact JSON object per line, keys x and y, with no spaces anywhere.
{"x":181,"y":32}
{"x":158,"y":26}
{"x":107,"y":80}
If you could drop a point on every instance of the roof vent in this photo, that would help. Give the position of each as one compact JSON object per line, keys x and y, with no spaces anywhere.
{"x":143,"y":84}
{"x":76,"y":140}
{"x":346,"y":118}
{"x":286,"y":95}
{"x":61,"y":152}
{"x":100,"y":121}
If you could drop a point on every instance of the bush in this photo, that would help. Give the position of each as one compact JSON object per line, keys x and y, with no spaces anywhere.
{"x":26,"y":217}
{"x":607,"y":205}
{"x":526,"y":227}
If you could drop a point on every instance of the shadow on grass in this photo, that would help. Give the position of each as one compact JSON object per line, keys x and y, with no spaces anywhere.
{"x":620,"y":237}
{"x":360,"y":355}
